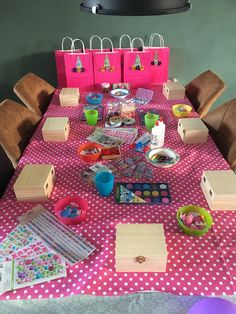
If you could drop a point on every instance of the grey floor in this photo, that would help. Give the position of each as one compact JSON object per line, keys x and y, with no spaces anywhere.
{"x":140,"y":303}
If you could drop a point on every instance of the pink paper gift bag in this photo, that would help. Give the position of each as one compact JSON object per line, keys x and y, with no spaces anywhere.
{"x":159,"y":60}
{"x":137,"y":66}
{"x":91,"y":49}
{"x":122,"y":51}
{"x":106,"y":65}
{"x":60,"y":63}
{"x":79,"y":69}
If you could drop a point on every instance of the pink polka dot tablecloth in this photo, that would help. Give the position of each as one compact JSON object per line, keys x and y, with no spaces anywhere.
{"x":196,"y":266}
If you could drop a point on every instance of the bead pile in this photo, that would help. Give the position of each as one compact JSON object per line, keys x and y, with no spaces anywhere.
{"x":91,"y":151}
{"x":70,"y":211}
{"x":193,"y":220}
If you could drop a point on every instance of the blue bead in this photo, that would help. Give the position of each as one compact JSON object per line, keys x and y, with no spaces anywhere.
{"x":74,"y":210}
{"x":73,"y":215}
{"x":65,"y":213}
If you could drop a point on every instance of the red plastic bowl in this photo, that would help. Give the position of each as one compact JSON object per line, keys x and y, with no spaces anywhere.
{"x":81,"y":203}
{"x":89,"y":146}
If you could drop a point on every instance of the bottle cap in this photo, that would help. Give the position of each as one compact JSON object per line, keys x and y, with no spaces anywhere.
{"x":161,"y":119}
{"x":139,"y":145}
{"x":157,"y":123}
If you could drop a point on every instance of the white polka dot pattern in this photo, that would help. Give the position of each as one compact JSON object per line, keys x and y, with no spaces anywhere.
{"x":196,"y":266}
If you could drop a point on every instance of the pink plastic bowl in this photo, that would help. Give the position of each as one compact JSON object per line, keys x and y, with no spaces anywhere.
{"x":79,"y":202}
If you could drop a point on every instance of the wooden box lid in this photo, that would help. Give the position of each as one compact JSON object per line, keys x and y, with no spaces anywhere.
{"x":221,"y":182}
{"x":69,"y":92}
{"x":174,"y":86}
{"x":192,"y":124}
{"x":54,"y":124}
{"x":133,"y":240}
{"x":34,"y":176}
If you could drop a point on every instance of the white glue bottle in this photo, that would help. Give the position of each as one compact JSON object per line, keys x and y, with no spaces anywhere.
{"x":158,"y":134}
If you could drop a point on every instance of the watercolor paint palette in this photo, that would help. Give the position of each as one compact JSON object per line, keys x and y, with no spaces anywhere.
{"x":142,"y":193}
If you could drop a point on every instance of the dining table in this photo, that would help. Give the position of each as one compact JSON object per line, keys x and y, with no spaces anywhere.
{"x":196,"y":266}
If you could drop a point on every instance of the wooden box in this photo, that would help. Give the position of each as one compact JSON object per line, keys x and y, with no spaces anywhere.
{"x":35,"y":183}
{"x":111,"y":152}
{"x":192,"y":130}
{"x":219,"y":189}
{"x":173,"y":90}
{"x":56,"y":129}
{"x":69,"y":97}
{"x":140,"y":248}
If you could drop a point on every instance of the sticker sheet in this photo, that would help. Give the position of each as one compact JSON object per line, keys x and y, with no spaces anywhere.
{"x":30,"y":271}
{"x":105,"y":140}
{"x":60,"y":238}
{"x":120,"y":135}
{"x":131,"y":167}
{"x":21,"y":243}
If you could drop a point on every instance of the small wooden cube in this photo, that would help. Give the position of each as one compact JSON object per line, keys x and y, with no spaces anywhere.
{"x":56,"y":129}
{"x":219,"y":189}
{"x":69,"y":97}
{"x":192,"y":131}
{"x":140,"y":248}
{"x":173,"y":90}
{"x":35,"y":183}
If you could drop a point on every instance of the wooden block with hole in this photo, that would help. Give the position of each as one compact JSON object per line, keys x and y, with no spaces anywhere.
{"x":56,"y":129}
{"x":219,"y":189}
{"x":69,"y":97}
{"x":140,"y":248}
{"x":173,"y":90}
{"x":35,"y":183}
{"x":192,"y":131}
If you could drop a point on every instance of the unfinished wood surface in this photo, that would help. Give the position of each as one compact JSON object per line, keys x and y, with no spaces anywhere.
{"x":173,"y":90}
{"x":192,"y":131}
{"x":219,"y":189}
{"x":140,"y":247}
{"x":56,"y":129}
{"x":35,"y":182}
{"x":69,"y":97}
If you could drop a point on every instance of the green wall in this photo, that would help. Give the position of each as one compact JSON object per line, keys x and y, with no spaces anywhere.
{"x":201,"y":39}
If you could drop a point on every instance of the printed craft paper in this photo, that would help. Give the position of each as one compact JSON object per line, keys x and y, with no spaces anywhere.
{"x":30,"y":271}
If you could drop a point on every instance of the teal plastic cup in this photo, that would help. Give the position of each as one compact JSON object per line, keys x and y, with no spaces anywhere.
{"x":150,"y":120}
{"x":91,"y":116}
{"x":104,"y":182}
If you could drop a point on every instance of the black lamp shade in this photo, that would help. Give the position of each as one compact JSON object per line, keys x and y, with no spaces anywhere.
{"x":134,"y":7}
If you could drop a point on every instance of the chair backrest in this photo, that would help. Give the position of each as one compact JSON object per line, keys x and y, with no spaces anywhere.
{"x":34,"y":92}
{"x":6,"y":170}
{"x":221,"y":123}
{"x":204,"y":90}
{"x":17,"y":124}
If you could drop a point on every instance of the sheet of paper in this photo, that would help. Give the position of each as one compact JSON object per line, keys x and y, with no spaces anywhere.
{"x":60,"y":238}
{"x":21,"y":243}
{"x":119,"y":135}
{"x":105,"y":140}
{"x":30,"y":271}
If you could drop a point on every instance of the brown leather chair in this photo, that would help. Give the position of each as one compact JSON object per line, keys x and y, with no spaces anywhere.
{"x":34,"y":92}
{"x":6,"y":170}
{"x":204,"y":90}
{"x":17,"y":124}
{"x":221,"y":123}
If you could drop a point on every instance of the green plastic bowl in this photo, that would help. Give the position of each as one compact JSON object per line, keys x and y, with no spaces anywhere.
{"x":201,"y":211}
